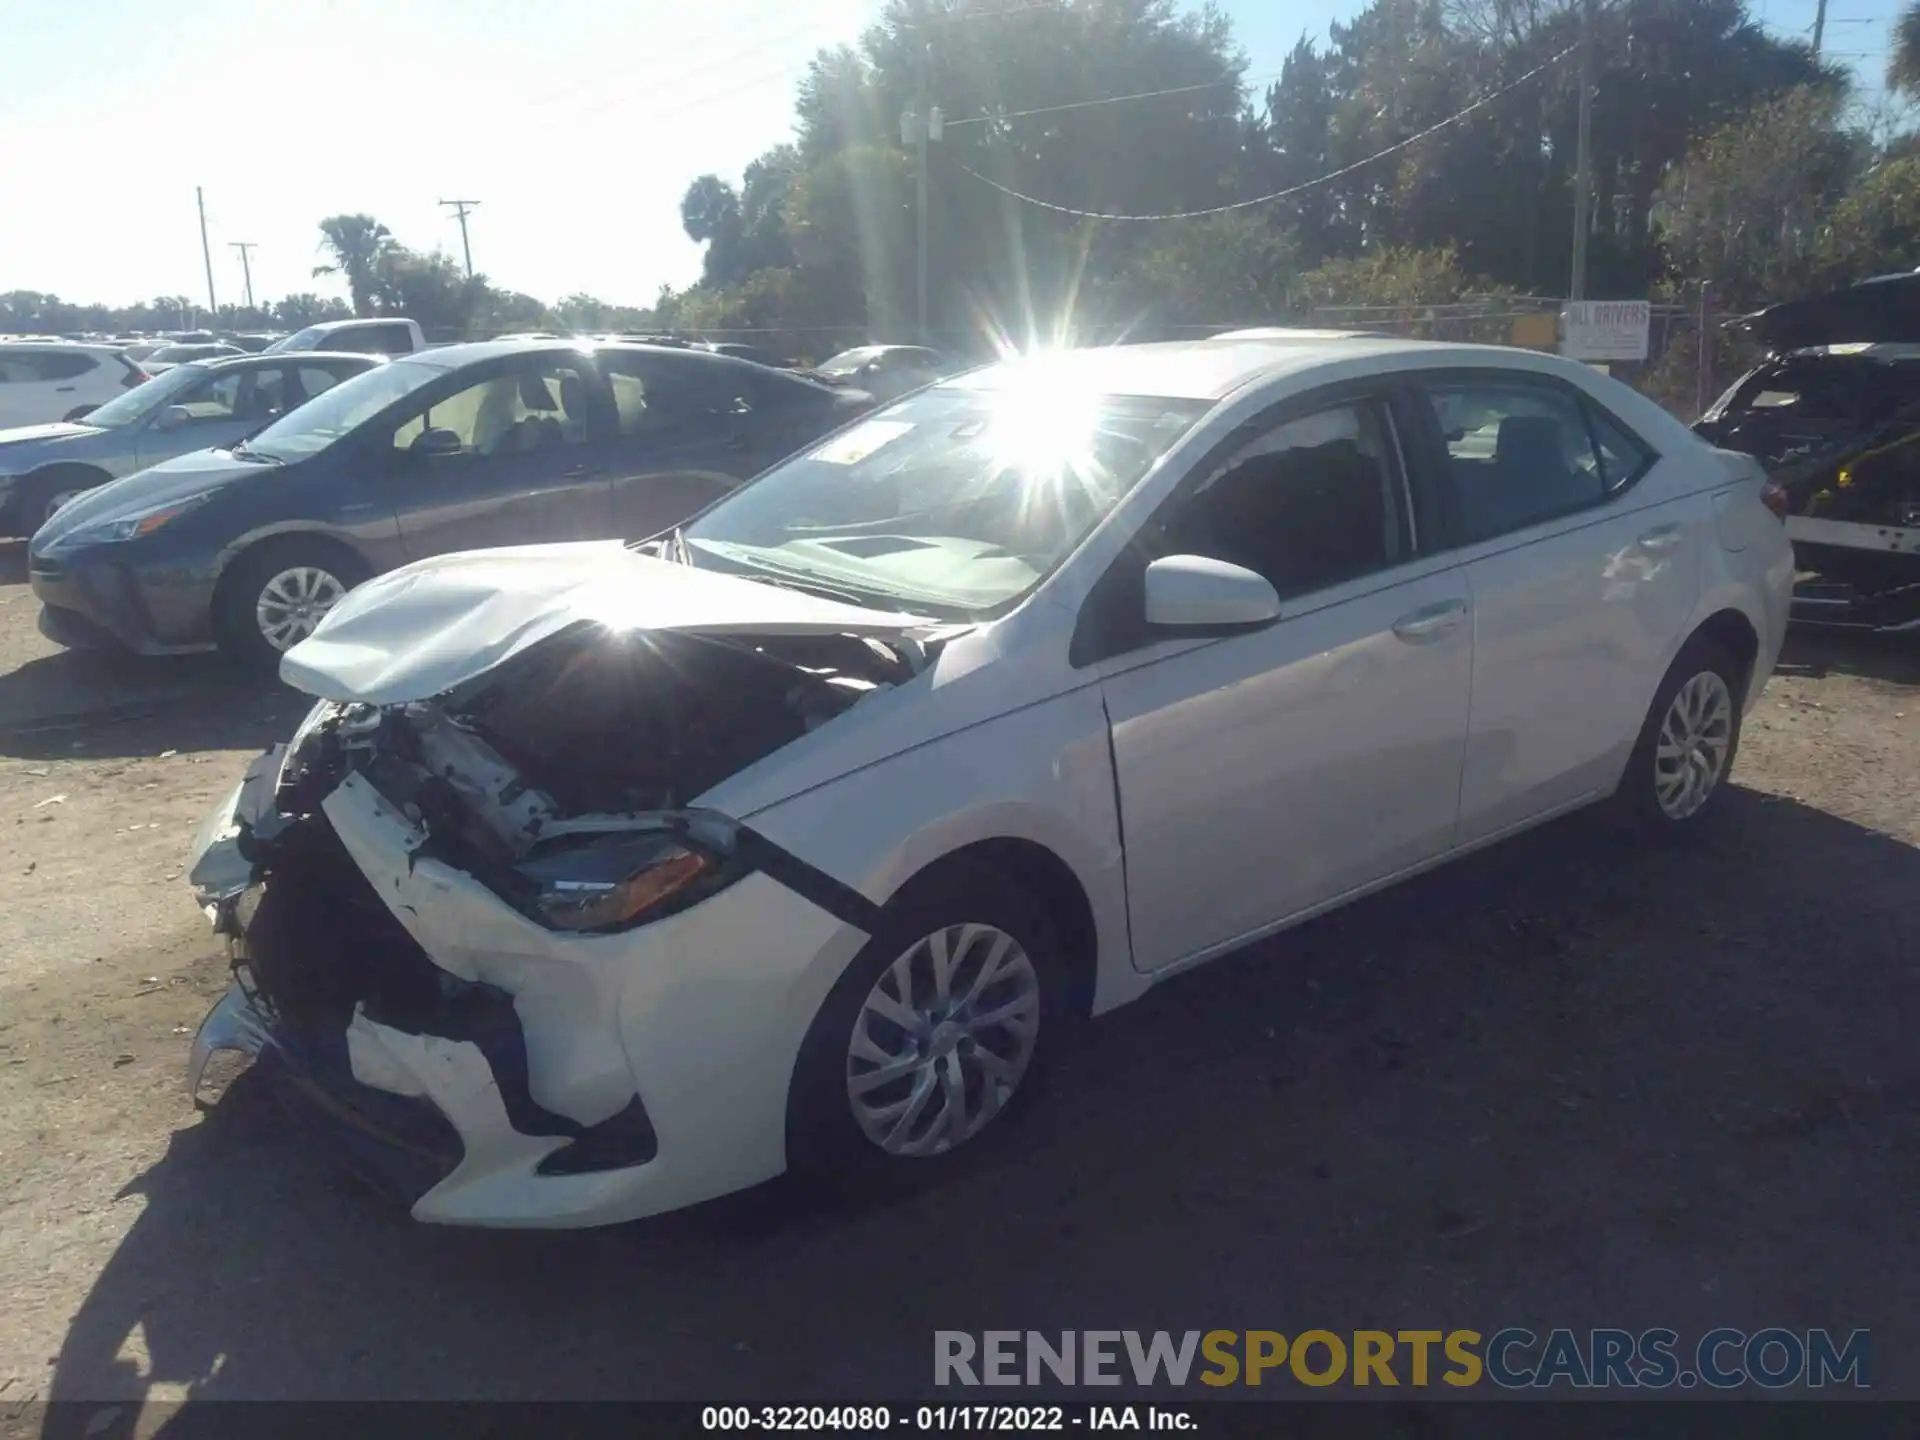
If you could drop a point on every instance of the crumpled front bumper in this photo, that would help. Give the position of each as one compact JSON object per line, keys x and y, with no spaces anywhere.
{"x":585,"y":1079}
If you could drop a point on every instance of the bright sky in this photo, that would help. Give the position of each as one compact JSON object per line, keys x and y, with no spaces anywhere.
{"x":576,"y":123}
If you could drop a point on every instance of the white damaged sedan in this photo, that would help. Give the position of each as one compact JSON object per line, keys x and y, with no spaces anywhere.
{"x":604,"y":880}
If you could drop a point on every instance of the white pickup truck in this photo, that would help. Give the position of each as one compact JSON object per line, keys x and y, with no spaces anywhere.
{"x":387,"y":335}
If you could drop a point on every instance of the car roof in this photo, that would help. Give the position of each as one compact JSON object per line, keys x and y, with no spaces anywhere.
{"x":1209,"y":370}
{"x":62,"y":347}
{"x":472,"y":352}
{"x":284,"y":357}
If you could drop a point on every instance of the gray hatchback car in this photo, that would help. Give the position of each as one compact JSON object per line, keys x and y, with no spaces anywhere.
{"x":194,"y":406}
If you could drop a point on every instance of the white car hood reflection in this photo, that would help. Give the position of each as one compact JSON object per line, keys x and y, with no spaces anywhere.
{"x":419,"y":631}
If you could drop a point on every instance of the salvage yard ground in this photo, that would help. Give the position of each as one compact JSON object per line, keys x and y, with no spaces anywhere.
{"x":1562,"y":1083}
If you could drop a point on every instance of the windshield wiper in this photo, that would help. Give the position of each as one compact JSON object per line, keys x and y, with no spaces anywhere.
{"x":241,"y":451}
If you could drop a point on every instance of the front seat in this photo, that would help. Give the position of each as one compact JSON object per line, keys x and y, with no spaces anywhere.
{"x":1530,"y":463}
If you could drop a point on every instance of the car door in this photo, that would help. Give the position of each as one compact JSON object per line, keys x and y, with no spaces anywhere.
{"x":1264,"y":774}
{"x":527,"y":450}
{"x":211,"y":414}
{"x":39,"y":387}
{"x":691,"y":428}
{"x":1583,"y":574}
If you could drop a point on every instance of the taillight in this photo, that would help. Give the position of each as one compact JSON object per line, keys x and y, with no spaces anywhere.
{"x":1774,"y":497}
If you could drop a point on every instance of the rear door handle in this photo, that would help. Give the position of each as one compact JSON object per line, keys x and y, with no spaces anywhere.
{"x":1430,"y":620}
{"x":64,"y":389}
{"x":1661,"y":537}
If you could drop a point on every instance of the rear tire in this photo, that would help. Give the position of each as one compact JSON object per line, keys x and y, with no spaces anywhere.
{"x":274,"y":594}
{"x":877,"y":1104}
{"x":1687,"y":745}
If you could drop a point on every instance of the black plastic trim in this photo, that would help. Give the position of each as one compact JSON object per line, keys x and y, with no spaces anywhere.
{"x":839,"y":900}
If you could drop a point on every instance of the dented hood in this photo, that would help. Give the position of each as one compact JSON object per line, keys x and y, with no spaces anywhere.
{"x":421,"y":630}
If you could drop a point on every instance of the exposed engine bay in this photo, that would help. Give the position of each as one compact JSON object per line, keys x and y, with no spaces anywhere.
{"x":587,"y":734}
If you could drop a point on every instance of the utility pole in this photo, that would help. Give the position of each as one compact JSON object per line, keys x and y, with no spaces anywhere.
{"x":920,"y":104}
{"x":206,"y":254}
{"x":1583,"y":163}
{"x":460,"y":209}
{"x":1819,"y":25}
{"x":246,"y":268}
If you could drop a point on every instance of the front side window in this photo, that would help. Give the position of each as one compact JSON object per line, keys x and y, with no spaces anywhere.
{"x":56,"y":365}
{"x":1314,"y":502}
{"x":1519,"y":452}
{"x":215,"y":399}
{"x":541,"y":406}
{"x":953,"y":503}
{"x":146,"y":399}
{"x":343,"y":409}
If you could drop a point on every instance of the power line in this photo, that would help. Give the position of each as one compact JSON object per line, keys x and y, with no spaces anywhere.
{"x":1345,"y":170}
{"x":1108,"y":100}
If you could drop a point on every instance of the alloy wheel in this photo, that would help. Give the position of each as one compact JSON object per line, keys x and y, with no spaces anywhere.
{"x":1690,"y":755}
{"x":57,"y":499}
{"x":293,"y":602}
{"x":943,"y":1040}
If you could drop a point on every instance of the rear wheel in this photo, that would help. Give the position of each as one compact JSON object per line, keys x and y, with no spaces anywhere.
{"x":1687,"y":745}
{"x":274,"y":596}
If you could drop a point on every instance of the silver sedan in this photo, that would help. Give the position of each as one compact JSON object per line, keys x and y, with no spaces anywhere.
{"x":195,"y":406}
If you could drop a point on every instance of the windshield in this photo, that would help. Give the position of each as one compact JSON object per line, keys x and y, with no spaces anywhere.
{"x":848,"y":361}
{"x":324,"y":419}
{"x":307,"y":339}
{"x":952,"y":503}
{"x":143,"y":400}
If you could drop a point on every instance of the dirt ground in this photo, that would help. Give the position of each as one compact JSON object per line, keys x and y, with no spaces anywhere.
{"x":1563,"y":1083}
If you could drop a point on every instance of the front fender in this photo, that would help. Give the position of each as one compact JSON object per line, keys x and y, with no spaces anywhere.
{"x":1042,"y":774}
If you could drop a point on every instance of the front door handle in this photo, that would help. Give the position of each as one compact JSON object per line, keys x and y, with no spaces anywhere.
{"x":1430,"y":620}
{"x":1661,"y":537}
{"x":64,"y":389}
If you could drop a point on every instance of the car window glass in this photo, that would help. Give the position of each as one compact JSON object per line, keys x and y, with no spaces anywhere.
{"x":311,"y":380}
{"x":1520,"y":453}
{"x":538,"y":407}
{"x":58,"y":366}
{"x":1624,"y":457}
{"x":218,"y":398}
{"x":651,"y":395}
{"x":1311,"y":503}
{"x":17,"y":370}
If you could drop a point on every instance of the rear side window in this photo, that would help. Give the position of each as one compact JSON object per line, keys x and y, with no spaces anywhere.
{"x":1520,"y":452}
{"x":1624,"y":456}
{"x":656,"y":392}
{"x":51,"y":365}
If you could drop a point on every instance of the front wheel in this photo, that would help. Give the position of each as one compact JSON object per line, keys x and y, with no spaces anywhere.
{"x":936,"y":1034}
{"x":274,"y":597}
{"x":1687,"y":745}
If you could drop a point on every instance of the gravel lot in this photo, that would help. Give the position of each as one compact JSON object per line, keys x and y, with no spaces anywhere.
{"x":1561,"y":1083}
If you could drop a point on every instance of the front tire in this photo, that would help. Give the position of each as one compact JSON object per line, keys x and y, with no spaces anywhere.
{"x":274,"y":596}
{"x":935,"y":1037}
{"x":1687,"y":745}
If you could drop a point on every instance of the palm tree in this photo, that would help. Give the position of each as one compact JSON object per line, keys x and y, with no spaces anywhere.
{"x":1903,"y":60}
{"x":357,"y":243}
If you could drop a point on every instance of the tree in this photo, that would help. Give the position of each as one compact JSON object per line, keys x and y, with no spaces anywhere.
{"x":1234,"y":268}
{"x":1875,"y":230}
{"x":357,"y":244}
{"x":296,"y":312}
{"x":1903,"y":53}
{"x":1743,"y":208}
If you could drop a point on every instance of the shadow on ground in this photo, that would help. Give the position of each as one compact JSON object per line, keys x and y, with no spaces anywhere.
{"x":1817,"y":654}
{"x":1563,"y":1082}
{"x":86,"y":704}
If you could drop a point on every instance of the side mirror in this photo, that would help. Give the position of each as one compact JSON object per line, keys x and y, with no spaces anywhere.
{"x":172,"y":418}
{"x":435,"y":444}
{"x":1191,"y":592}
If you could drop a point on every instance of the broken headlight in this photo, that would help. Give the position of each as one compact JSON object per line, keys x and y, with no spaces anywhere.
{"x":614,"y":882}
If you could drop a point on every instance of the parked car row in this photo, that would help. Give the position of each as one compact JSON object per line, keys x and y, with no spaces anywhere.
{"x":353,"y":465}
